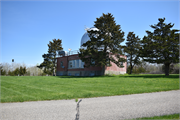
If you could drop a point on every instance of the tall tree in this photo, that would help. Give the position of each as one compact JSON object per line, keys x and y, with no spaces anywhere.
{"x":104,"y":44}
{"x":22,"y":70}
{"x":10,"y":73}
{"x":16,"y":71}
{"x":49,"y":63}
{"x":132,"y":50}
{"x":162,"y":45}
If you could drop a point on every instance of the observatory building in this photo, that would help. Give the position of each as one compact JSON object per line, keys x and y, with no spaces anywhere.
{"x":69,"y":63}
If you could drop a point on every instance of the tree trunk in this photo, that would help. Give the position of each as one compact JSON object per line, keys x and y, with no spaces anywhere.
{"x":54,"y":72}
{"x":167,"y":69}
{"x":54,"y":68}
{"x":103,"y":70}
{"x":131,"y":69}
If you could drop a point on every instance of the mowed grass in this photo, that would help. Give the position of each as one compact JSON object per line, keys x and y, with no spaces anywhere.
{"x":164,"y":117}
{"x":36,"y":88}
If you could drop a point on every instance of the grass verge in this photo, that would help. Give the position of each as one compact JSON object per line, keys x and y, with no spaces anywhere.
{"x":164,"y":117}
{"x":36,"y":88}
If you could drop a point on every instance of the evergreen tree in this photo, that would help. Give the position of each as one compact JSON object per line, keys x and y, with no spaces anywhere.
{"x":16,"y":72}
{"x":104,"y":44}
{"x":9,"y":73}
{"x":49,"y":63}
{"x":3,"y":72}
{"x":162,"y":45}
{"x":22,"y":70}
{"x":132,"y":50}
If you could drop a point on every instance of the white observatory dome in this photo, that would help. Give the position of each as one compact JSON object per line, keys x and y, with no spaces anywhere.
{"x":85,"y":37}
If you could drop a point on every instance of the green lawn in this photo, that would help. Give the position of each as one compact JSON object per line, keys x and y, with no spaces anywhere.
{"x":164,"y":117}
{"x":34,"y":88}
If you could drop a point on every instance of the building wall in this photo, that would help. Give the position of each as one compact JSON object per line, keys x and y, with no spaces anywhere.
{"x":91,"y":71}
{"x":114,"y":69}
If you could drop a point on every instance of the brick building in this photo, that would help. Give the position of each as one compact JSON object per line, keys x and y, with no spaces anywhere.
{"x":70,"y":64}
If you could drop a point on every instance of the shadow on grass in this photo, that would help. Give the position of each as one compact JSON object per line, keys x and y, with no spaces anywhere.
{"x":150,"y":76}
{"x":173,"y":76}
{"x":84,"y":76}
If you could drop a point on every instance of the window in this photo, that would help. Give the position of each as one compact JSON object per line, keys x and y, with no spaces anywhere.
{"x":76,"y":64}
{"x":61,"y":64}
{"x":73,"y":64}
{"x":70,"y":64}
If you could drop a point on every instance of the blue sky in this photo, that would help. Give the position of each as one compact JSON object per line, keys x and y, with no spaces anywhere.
{"x":28,"y":26}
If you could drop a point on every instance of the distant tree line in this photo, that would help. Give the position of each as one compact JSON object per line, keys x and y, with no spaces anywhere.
{"x":148,"y":68}
{"x":143,"y":67}
{"x":16,"y":69}
{"x":19,"y":71}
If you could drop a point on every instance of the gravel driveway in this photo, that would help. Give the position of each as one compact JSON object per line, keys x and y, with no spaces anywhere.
{"x":102,"y":108}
